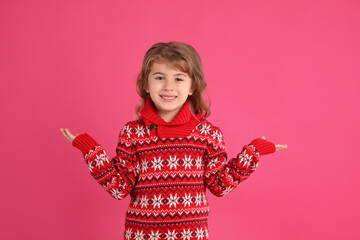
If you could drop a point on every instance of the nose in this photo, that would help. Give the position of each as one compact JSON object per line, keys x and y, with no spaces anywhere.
{"x":168,"y":85}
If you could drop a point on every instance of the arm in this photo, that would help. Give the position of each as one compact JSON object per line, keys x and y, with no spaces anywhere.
{"x":117,"y":175}
{"x":221,"y":177}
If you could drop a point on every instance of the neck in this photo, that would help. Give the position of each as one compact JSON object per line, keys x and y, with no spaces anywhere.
{"x":167,"y":117}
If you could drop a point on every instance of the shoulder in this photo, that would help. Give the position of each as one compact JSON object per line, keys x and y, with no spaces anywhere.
{"x":132,"y":127}
{"x":134,"y":123}
{"x":206,"y":127}
{"x":210,"y":131}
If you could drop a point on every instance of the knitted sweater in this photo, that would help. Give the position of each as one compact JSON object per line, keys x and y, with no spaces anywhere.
{"x":167,"y":167}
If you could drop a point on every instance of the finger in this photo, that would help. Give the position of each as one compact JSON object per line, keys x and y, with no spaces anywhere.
{"x":67,"y":137}
{"x":66,"y":134}
{"x":280,"y":146}
{"x":69,"y":133}
{"x":63,"y":132}
{"x":263,"y":137}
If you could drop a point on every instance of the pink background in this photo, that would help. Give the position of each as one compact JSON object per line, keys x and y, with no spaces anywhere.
{"x":288,"y":70}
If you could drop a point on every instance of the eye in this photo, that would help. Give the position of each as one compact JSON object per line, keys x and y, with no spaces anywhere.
{"x":158,"y":78}
{"x":179,"y":79}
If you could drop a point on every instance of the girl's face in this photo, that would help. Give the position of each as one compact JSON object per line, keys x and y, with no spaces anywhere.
{"x":168,"y":89}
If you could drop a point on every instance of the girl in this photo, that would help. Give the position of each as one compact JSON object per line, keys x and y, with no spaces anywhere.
{"x":170,"y":155}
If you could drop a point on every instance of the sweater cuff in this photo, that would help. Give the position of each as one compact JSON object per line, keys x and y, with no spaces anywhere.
{"x":263,"y":146}
{"x":84,"y":142}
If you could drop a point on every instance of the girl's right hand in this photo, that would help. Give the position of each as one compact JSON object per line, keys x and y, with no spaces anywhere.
{"x":68,"y":135}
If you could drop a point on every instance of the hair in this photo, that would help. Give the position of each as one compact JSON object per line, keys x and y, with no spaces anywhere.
{"x":182,"y":57}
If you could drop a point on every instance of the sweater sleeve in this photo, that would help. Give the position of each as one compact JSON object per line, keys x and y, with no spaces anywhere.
{"x":222,"y":177}
{"x":117,"y":175}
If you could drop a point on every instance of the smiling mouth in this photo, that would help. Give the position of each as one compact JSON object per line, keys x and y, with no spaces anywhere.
{"x":167,"y":97}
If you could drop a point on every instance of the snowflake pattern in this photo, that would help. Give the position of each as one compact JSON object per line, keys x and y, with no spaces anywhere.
{"x":157,"y":163}
{"x":217,"y":135}
{"x":116,"y":194}
{"x":144,"y":201}
{"x":204,"y":199}
{"x":187,"y":162}
{"x":251,"y":147}
{"x":205,"y":129}
{"x":199,"y":233}
{"x":128,"y":233}
{"x":206,"y":233}
{"x":180,"y":160}
{"x":154,"y":236}
{"x":244,"y":158}
{"x":139,"y":235}
{"x":100,"y":159}
{"x":171,"y":235}
{"x":137,"y":168}
{"x":121,"y":161}
{"x":227,"y":191}
{"x":198,"y":162}
{"x":126,"y":130}
{"x":157,"y":201}
{"x":212,"y":163}
{"x":198,"y":199}
{"x":173,"y":200}
{"x":173,"y":162}
{"x":144,"y":165}
{"x":91,"y":167}
{"x":186,"y":235}
{"x":187,"y":200}
{"x":140,"y":131}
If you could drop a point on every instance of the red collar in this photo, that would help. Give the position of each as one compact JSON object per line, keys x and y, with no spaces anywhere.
{"x":181,"y":126}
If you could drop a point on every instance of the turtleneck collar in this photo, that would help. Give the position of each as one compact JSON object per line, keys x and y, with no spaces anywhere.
{"x":181,"y":126}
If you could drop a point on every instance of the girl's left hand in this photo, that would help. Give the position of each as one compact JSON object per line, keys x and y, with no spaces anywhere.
{"x":278,"y":146}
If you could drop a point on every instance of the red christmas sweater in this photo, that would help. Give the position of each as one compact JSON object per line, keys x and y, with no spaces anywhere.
{"x":167,"y":167}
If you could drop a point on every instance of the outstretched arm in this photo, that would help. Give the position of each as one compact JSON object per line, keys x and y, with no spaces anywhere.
{"x":117,"y":175}
{"x":222,"y":177}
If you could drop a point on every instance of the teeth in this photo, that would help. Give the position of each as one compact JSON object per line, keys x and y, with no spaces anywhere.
{"x":168,"y":97}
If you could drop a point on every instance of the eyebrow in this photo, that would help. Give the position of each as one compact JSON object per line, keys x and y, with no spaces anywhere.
{"x":178,"y":74}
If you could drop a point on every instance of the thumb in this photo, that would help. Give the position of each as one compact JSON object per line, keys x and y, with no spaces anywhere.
{"x":263,"y":137}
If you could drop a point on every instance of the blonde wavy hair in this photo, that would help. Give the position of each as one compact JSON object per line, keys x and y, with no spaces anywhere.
{"x":182,"y":57}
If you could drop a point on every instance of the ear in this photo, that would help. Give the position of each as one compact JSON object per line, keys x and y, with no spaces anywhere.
{"x":191,"y":92}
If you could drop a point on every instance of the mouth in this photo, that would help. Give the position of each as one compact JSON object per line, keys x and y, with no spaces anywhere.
{"x":167,"y":98}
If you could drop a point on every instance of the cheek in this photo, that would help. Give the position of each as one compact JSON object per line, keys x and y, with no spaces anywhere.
{"x":151,"y":86}
{"x":155,"y":87}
